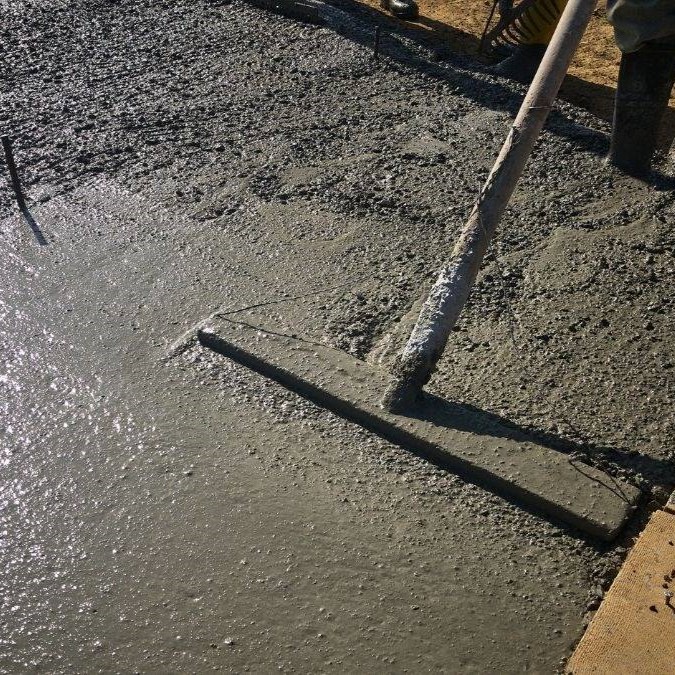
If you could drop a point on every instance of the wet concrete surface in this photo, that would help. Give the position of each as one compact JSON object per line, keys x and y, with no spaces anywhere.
{"x":155,"y":508}
{"x":182,"y":514}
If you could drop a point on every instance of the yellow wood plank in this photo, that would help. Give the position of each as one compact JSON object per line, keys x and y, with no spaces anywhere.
{"x":633,"y":632}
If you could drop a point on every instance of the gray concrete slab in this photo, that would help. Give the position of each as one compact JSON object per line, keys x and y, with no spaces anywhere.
{"x":189,"y":515}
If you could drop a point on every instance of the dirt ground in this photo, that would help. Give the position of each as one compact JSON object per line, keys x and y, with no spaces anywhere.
{"x":168,"y":511}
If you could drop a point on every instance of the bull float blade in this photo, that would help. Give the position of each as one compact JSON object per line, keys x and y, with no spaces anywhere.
{"x":468,"y":442}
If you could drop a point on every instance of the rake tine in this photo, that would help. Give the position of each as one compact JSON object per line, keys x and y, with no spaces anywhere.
{"x":553,"y":7}
{"x":517,"y":38}
{"x":550,"y":9}
{"x":525,"y":26}
{"x":521,"y":24}
{"x":481,"y":46}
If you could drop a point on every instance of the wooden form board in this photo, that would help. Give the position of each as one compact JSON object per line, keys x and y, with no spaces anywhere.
{"x":633,"y":632}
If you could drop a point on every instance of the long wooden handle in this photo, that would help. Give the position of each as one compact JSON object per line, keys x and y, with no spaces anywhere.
{"x":442,"y":308}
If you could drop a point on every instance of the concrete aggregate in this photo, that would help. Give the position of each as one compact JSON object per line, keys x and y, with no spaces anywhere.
{"x":185,"y":515}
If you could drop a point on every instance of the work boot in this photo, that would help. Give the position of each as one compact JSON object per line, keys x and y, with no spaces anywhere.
{"x":646,"y":79}
{"x":522,"y":65}
{"x":401,"y":9}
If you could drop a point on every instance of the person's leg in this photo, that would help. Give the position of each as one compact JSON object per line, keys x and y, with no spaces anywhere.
{"x":637,"y":22}
{"x":536,"y":26}
{"x":645,"y":33}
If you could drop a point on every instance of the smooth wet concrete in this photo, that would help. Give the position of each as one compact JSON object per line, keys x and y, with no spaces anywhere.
{"x":209,"y":157}
{"x":154,"y":509}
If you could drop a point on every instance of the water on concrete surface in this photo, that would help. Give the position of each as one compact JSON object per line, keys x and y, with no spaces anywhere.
{"x":187,"y":514}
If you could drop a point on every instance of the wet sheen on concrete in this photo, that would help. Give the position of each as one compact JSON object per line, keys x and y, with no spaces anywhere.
{"x":159,"y":516}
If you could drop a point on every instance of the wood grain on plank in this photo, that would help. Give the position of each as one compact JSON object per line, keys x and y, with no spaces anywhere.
{"x":634,"y":629}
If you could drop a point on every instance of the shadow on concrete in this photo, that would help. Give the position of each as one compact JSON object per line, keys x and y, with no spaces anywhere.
{"x":341,"y":386}
{"x":650,"y":472}
{"x":463,"y":417}
{"x":35,"y":228}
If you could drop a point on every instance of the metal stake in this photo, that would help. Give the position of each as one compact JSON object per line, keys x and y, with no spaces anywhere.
{"x":14,"y":176}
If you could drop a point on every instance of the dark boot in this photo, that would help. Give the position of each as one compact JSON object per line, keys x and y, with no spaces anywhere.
{"x":522,"y":64}
{"x":401,"y":9}
{"x":646,"y":79}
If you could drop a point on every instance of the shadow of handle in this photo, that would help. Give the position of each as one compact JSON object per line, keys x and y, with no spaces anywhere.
{"x":35,"y":228}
